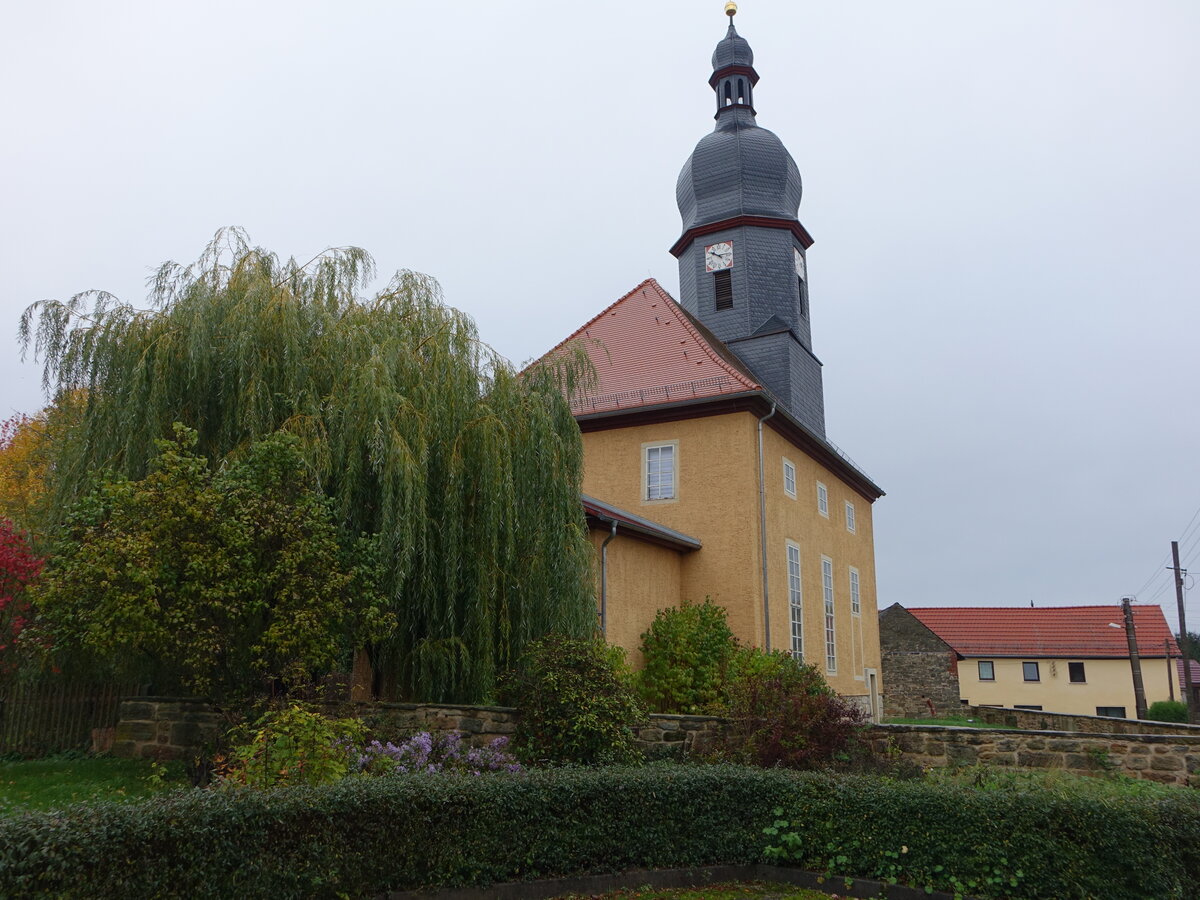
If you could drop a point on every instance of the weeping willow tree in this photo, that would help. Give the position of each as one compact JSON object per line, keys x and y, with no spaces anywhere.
{"x":464,"y":471}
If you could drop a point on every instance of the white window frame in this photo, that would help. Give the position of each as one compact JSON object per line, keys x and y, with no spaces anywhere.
{"x":795,"y":600}
{"x":789,"y":468}
{"x":822,"y":499}
{"x":830,"y":616}
{"x":855,"y":592}
{"x":646,"y":454}
{"x":851,"y":523}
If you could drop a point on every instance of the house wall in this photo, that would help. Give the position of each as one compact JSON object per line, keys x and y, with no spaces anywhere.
{"x":921,"y":668}
{"x":798,"y":520}
{"x":642,"y":579}
{"x":1109,"y":683}
{"x":717,"y":502}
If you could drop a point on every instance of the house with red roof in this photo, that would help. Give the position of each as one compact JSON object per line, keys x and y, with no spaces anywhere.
{"x":707,"y":471}
{"x":1068,"y":659}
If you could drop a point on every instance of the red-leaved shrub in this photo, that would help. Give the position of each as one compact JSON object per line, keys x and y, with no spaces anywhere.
{"x":782,"y":713}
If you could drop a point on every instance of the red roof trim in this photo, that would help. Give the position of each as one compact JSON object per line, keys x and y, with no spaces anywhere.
{"x":791,"y":225}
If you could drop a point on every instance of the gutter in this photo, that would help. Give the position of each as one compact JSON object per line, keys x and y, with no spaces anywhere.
{"x":762,"y":530}
{"x":604,"y":579}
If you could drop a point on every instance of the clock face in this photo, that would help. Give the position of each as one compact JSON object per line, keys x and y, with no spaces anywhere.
{"x":801,"y":268}
{"x":718,"y":256}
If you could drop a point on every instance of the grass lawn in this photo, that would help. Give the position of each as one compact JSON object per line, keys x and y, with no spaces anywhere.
{"x":44,"y":783}
{"x":761,"y":890}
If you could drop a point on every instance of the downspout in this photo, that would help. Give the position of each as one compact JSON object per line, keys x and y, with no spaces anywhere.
{"x":604,"y":579}
{"x":762,"y":530}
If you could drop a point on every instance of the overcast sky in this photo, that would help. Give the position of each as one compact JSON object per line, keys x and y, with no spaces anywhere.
{"x":1004,"y":198}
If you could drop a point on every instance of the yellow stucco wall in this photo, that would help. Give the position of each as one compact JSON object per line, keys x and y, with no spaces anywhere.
{"x":642,"y":579}
{"x":1109,"y":682}
{"x":717,"y":502}
{"x":821,"y":537}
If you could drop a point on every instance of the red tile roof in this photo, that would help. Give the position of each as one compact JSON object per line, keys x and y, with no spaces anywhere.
{"x":647,"y":350}
{"x":1082,"y":631}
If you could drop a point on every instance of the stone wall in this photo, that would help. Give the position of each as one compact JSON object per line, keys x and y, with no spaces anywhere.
{"x":1169,"y":759}
{"x":165,"y":727}
{"x":175,"y":728}
{"x":920,"y":670}
{"x":1036,"y":720}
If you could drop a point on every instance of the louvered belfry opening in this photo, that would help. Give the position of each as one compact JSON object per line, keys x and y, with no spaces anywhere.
{"x":723,"y":283}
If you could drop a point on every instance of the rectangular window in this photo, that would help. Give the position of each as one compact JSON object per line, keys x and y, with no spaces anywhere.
{"x":1025,"y":706}
{"x":803,"y":297}
{"x":1111,"y":712}
{"x":830,"y":637}
{"x":1030,"y":671}
{"x":822,"y":500}
{"x":850,"y":526}
{"x":723,"y":283}
{"x":797,"y":610}
{"x":987,"y":670}
{"x":855,"y":597}
{"x":1075,"y":672}
{"x":789,"y":479}
{"x":660,"y":471}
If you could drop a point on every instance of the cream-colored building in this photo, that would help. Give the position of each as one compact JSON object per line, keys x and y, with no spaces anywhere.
{"x":1058,"y":659}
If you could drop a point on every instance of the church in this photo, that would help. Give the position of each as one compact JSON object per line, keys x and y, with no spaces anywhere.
{"x":707,"y":472}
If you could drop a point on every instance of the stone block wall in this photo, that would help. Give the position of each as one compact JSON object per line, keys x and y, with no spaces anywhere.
{"x":165,"y":727}
{"x":175,"y":728}
{"x":920,"y":670}
{"x":1169,"y":759}
{"x":1037,"y":720}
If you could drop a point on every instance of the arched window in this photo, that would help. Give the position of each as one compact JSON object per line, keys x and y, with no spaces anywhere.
{"x":728,"y":93}
{"x":741,"y":94}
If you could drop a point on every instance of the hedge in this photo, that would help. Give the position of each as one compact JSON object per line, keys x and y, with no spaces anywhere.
{"x":364,"y":836}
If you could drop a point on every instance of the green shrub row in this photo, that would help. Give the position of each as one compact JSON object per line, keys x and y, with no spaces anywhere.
{"x":358,"y":838}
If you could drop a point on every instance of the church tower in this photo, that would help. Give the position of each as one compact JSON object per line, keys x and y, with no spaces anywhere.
{"x":742,"y":269}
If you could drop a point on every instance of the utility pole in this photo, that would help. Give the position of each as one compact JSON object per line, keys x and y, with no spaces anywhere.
{"x":1170,"y":678}
{"x":1183,"y":638}
{"x":1135,"y":661}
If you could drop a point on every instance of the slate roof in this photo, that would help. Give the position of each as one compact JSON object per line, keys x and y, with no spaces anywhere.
{"x":733,"y":50}
{"x":1063,"y":631}
{"x":646,"y":350}
{"x":644,"y":528}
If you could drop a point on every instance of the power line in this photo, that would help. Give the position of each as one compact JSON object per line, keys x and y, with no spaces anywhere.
{"x":1161,"y":568}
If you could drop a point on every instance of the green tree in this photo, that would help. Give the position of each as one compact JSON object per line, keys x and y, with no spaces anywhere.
{"x":686,"y":650}
{"x":464,"y":472}
{"x":202,"y":582}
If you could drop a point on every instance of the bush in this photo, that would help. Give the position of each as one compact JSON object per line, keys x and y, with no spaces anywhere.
{"x":1167,"y":711}
{"x":782,"y":713}
{"x":295,"y":746}
{"x":577,"y":703}
{"x":365,"y":836}
{"x":441,"y":752}
{"x":686,"y":651}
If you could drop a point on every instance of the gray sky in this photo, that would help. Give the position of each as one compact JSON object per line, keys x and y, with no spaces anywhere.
{"x":1004,"y":198}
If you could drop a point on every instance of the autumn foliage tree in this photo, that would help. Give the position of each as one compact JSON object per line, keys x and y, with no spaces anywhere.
{"x":19,"y":566}
{"x":22,"y":466}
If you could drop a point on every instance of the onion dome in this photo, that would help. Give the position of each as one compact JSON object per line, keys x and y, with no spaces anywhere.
{"x":739,"y":169}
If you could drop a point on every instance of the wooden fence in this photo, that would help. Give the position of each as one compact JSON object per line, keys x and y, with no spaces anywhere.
{"x":39,"y":719}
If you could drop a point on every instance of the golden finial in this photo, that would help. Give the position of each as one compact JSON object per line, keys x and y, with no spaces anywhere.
{"x":731,"y":9}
